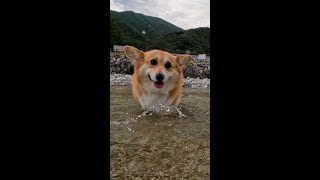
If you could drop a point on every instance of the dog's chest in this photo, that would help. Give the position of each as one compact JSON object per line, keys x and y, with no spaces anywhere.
{"x":152,"y":99}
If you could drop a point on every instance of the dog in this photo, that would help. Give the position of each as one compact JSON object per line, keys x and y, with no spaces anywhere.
{"x":157,"y":77}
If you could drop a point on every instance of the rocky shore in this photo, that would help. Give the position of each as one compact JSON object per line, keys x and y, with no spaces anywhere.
{"x":125,"y":80}
{"x":120,"y":64}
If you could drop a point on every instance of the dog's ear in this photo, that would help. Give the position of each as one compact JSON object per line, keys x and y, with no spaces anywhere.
{"x":133,"y":53}
{"x":184,"y":60}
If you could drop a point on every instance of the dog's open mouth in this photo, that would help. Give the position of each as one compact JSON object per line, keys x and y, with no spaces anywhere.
{"x":158,"y":85}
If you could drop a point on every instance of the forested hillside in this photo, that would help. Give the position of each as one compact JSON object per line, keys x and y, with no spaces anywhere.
{"x":195,"y":40}
{"x":126,"y":28}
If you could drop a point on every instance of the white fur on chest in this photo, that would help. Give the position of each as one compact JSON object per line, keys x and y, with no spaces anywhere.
{"x":151,"y":99}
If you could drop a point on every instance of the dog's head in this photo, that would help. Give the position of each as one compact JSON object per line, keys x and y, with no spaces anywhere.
{"x":157,"y":69}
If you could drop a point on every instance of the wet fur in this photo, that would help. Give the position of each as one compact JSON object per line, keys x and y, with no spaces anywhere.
{"x":142,"y":87}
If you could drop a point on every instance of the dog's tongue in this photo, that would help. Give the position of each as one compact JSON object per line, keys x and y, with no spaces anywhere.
{"x":158,"y":84}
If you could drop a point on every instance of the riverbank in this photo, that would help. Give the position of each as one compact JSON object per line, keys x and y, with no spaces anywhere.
{"x":125,"y":80}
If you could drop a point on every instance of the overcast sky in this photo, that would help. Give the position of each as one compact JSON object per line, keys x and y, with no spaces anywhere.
{"x":185,"y":14}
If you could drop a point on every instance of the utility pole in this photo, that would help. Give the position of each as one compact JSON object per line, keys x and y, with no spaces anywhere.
{"x":145,"y":36}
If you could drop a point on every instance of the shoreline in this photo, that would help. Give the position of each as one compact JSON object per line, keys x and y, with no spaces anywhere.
{"x":125,"y":80}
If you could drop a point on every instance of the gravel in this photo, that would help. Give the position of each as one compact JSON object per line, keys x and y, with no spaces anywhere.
{"x":120,"y":80}
{"x":125,"y":80}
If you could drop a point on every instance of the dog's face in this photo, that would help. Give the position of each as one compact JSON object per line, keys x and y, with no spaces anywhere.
{"x":157,"y":70}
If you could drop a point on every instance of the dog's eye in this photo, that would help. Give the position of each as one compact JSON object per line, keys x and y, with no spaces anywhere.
{"x":153,"y":62}
{"x":168,"y":65}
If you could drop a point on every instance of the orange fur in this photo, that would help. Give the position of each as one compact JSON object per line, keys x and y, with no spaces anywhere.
{"x":146,"y":87}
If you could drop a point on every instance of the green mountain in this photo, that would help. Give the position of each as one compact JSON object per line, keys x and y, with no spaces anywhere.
{"x":126,"y":28}
{"x":195,"y":40}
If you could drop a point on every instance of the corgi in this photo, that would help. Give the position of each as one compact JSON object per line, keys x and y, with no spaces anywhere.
{"x":157,"y":77}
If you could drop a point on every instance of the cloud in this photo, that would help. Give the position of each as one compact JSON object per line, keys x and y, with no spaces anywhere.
{"x":116,"y":6}
{"x":185,"y":14}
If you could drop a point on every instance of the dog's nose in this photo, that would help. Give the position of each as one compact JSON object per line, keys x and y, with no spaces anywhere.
{"x":159,"y":77}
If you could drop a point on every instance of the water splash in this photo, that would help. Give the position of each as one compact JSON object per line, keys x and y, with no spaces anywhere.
{"x":161,"y":109}
{"x":167,"y":113}
{"x":180,"y":113}
{"x":127,"y":123}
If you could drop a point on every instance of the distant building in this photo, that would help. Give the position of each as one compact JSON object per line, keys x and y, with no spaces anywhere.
{"x":202,"y":56}
{"x":117,"y":48}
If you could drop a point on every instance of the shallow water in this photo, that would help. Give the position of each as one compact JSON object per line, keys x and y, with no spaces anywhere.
{"x":159,"y":145}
